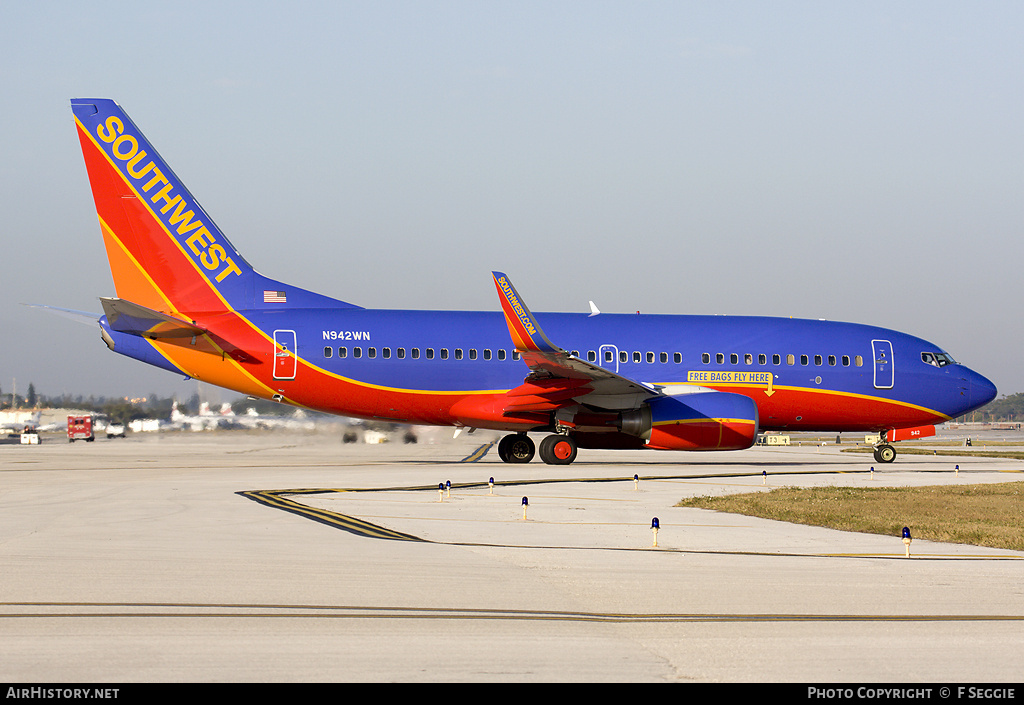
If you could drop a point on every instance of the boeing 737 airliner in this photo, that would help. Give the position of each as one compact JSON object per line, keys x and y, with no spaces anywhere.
{"x":188,"y":302}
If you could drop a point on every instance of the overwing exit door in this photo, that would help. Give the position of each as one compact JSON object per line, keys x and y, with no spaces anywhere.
{"x":608,"y":357}
{"x":284,"y":354}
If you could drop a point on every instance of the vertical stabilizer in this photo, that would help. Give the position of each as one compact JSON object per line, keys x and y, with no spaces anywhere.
{"x":165,"y":252}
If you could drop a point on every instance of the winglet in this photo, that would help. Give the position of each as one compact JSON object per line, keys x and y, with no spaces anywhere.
{"x":526,"y":333}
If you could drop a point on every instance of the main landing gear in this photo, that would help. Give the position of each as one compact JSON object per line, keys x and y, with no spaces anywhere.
{"x":517,"y":448}
{"x":556,"y":449}
{"x":885,"y":453}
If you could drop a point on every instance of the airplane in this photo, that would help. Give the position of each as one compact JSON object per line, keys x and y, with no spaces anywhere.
{"x":253,"y":419}
{"x":188,"y":302}
{"x":17,"y":421}
{"x":206,"y":420}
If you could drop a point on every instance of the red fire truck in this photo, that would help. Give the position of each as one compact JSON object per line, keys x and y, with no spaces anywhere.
{"x":80,"y":428}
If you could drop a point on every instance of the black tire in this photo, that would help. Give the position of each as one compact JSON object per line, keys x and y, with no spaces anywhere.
{"x":503,"y":448}
{"x":885,"y":453}
{"x":516,"y":448}
{"x":558,"y":450}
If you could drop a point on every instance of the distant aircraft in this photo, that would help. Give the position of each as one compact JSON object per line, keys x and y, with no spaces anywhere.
{"x":14,"y":421}
{"x":188,"y":302}
{"x":205,"y":421}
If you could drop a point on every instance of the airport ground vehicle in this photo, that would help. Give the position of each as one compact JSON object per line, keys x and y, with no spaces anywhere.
{"x":80,"y":428}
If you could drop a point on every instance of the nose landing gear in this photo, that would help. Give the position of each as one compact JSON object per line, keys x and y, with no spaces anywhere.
{"x":885,"y":453}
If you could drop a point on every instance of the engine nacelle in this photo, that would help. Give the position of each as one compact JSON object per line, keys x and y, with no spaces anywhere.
{"x":704,"y":421}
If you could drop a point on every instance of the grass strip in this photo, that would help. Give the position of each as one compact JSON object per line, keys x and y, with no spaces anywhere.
{"x":989,"y":515}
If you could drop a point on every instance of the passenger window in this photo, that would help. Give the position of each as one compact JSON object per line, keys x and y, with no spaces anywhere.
{"x":591,"y":356}
{"x":401,"y":353}
{"x":386,"y":353}
{"x":650,"y":356}
{"x":790,"y":359}
{"x":415,"y":353}
{"x":444,"y":353}
{"x":748,"y":359}
{"x":342,"y":352}
{"x":720,"y":358}
{"x":776,"y":359}
{"x":804,"y":360}
{"x":607,"y":355}
{"x":858,"y":361}
{"x":515,"y":355}
{"x":817,"y":360}
{"x":636,"y":356}
{"x":832,"y":360}
{"x":762,"y":359}
{"x":623,"y":356}
{"x":846,"y":360}
{"x":501,"y":354}
{"x":734,"y":359}
{"x":430,"y":353}
{"x":328,"y":352}
{"x":705,"y":358}
{"x":357,"y":352}
{"x":458,"y":353}
{"x":677,"y":358}
{"x":664,"y":357}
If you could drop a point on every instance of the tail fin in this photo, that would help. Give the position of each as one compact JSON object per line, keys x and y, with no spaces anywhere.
{"x":165,"y":252}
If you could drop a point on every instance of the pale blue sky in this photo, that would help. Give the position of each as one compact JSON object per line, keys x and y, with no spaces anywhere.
{"x":851,"y":161}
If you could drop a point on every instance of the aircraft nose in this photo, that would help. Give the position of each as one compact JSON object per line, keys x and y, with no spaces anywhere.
{"x":982,"y":390}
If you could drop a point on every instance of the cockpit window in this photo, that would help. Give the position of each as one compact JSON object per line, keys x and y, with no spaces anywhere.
{"x":937,"y":359}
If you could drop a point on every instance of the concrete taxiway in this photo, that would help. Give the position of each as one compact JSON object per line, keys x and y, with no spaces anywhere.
{"x":178,"y":557}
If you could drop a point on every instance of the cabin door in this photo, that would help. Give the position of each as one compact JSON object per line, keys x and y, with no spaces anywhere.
{"x":284,"y":354}
{"x":882,"y":352}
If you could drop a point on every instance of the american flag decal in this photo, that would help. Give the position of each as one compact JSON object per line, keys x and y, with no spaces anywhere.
{"x":274,"y":297}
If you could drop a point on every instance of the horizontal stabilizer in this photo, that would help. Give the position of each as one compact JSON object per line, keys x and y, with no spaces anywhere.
{"x":133,"y":319}
{"x":127,"y":317}
{"x":84,"y":317}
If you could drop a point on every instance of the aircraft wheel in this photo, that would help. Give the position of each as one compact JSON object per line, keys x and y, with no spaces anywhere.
{"x":885,"y":453}
{"x":516,"y":448}
{"x":558,"y":450}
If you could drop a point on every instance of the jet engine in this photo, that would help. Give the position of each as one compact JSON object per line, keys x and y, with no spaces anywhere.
{"x":703,"y":421}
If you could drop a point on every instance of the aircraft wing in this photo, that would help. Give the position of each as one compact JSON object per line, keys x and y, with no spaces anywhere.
{"x":556,"y":377}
